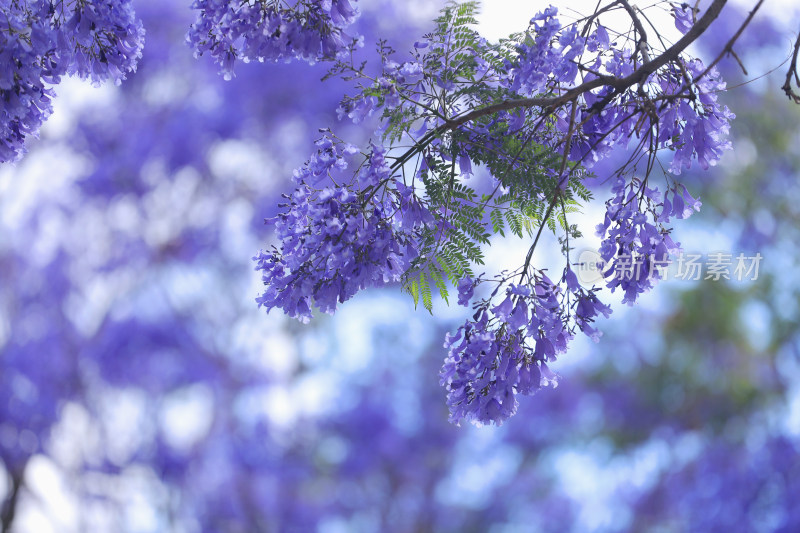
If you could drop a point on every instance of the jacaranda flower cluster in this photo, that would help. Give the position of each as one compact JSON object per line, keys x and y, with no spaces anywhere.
{"x":41,"y":41}
{"x":270,"y":31}
{"x":536,"y":113}
{"x":338,"y":238}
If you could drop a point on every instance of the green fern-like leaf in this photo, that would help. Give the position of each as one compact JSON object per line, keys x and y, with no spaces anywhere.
{"x":425,"y":290}
{"x":437,"y":276}
{"x":413,"y":289}
{"x":497,"y":221}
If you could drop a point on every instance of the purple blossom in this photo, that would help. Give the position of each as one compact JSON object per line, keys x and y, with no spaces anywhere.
{"x":41,"y":41}
{"x":701,"y":127}
{"x":504,"y":350}
{"x":466,"y":288}
{"x":633,"y":248}
{"x":670,"y":110}
{"x":684,"y":16}
{"x":336,"y":241}
{"x":311,"y":30}
{"x":107,"y":40}
{"x":548,"y":60}
{"x":598,"y":40}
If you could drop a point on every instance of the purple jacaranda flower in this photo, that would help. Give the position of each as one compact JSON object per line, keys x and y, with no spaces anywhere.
{"x":466,"y":288}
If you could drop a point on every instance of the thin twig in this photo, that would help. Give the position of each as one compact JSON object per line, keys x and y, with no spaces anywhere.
{"x":729,"y":45}
{"x":641,"y":43}
{"x":619,"y":84}
{"x":792,"y":72}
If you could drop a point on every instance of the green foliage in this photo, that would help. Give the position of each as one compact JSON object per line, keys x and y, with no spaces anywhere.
{"x":528,"y":174}
{"x":448,"y":252}
{"x":449,"y":60}
{"x":459,"y":75}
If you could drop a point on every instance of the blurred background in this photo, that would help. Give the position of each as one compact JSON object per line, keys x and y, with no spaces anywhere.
{"x":142,"y":391}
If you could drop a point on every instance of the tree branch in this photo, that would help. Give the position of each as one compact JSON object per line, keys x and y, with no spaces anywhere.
{"x":9,"y":508}
{"x":792,"y":72}
{"x":729,"y":45}
{"x":641,"y":44}
{"x":619,"y":84}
